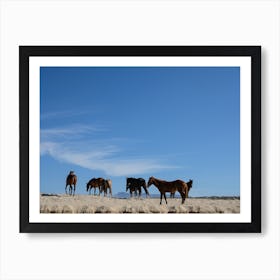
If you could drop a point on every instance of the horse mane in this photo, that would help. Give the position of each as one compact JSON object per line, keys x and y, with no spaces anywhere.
{"x":91,"y":180}
{"x":156,"y":179}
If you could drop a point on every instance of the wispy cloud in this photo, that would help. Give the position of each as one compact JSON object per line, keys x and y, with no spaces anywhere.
{"x":69,"y":131}
{"x":64,"y":114}
{"x":95,"y":155}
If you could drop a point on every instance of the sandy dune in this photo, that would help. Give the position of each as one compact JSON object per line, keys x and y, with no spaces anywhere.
{"x":98,"y":204}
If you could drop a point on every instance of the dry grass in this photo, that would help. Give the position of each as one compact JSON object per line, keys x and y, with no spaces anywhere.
{"x":98,"y":204}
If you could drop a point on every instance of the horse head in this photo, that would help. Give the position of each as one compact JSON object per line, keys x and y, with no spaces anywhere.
{"x":128,"y":183}
{"x":190,"y":183}
{"x":151,"y":181}
{"x":128,"y":180}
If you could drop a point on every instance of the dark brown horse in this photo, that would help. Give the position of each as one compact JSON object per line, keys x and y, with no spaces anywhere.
{"x":172,"y":187}
{"x":107,"y":187}
{"x":172,"y":194}
{"x":71,"y":180}
{"x":96,"y":183}
{"x":135,"y":184}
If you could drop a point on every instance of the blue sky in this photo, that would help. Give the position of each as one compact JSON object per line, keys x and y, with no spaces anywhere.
{"x":117,"y":122}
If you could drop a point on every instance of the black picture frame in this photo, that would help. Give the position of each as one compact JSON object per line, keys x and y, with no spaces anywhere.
{"x":253,"y":52}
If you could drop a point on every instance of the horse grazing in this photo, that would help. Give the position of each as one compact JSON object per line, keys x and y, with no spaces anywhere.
{"x":172,"y":187}
{"x":96,"y":183}
{"x":172,"y":194}
{"x":71,"y":180}
{"x":107,"y":186}
{"x":134,"y":185}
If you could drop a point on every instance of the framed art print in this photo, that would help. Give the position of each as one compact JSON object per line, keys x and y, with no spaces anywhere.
{"x":140,"y":138}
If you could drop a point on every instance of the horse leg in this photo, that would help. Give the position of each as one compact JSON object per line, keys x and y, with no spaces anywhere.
{"x":160,"y":198}
{"x":165,"y":197}
{"x":140,"y":192}
{"x":74,"y":189}
{"x":146,"y":191}
{"x":183,"y":195}
{"x":66,"y":189}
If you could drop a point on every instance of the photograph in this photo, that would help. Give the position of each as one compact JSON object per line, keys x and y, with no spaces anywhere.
{"x":139,"y":140}
{"x":138,"y":136}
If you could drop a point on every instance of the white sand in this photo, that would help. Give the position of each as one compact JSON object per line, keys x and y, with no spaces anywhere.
{"x":100,"y":204}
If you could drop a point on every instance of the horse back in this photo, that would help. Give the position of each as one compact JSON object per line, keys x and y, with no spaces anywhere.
{"x":173,"y":186}
{"x":71,"y":179}
{"x":136,"y":182}
{"x":96,"y":182}
{"x":100,"y":181}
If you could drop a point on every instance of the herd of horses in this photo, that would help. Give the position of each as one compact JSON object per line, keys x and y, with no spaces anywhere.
{"x":133,"y":185}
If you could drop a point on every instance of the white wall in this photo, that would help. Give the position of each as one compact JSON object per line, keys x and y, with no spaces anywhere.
{"x":139,"y":256}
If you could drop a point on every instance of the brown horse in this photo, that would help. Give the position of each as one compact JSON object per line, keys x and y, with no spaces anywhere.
{"x":172,"y":187}
{"x":96,"y":184}
{"x":71,"y":180}
{"x":107,"y":186}
{"x":172,"y":194}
